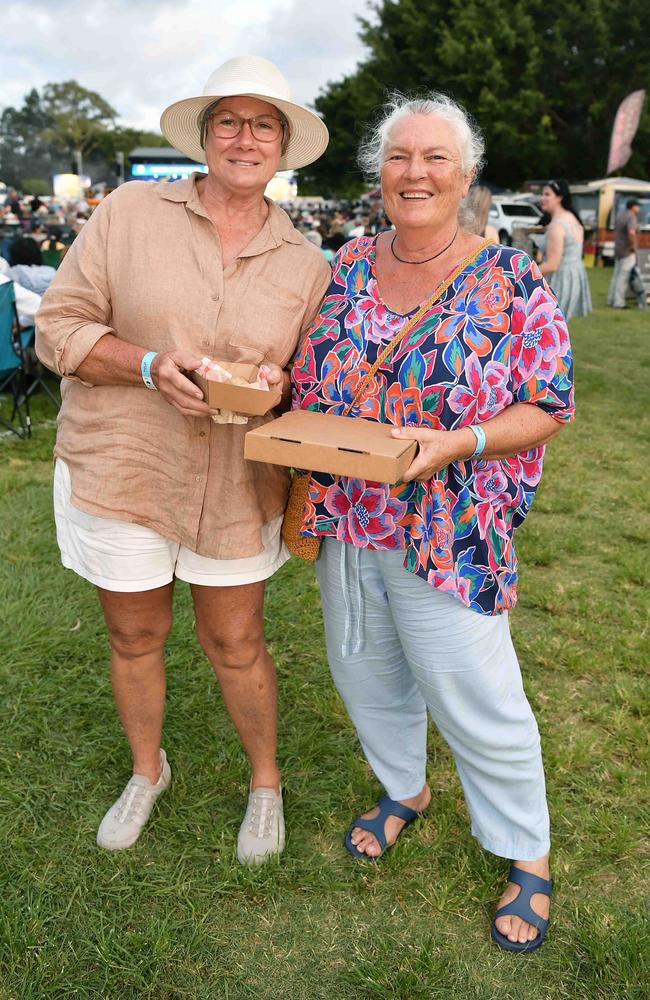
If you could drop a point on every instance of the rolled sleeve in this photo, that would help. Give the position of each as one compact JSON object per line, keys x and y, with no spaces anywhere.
{"x":73,"y":349}
{"x":75,"y":312}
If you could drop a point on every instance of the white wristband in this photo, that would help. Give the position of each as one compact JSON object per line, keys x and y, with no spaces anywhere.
{"x":145,"y":369}
{"x":479,"y":434}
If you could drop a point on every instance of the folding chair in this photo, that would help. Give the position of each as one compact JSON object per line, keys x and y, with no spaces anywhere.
{"x":13,"y":342}
{"x":34,"y":370}
{"x":52,"y":257}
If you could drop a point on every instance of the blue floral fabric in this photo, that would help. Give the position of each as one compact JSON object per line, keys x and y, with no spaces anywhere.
{"x":494,"y":336}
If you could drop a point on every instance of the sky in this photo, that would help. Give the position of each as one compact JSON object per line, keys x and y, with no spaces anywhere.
{"x":142,"y":55}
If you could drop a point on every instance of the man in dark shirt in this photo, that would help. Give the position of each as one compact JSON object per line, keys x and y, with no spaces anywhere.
{"x":626,"y":240}
{"x":13,"y":201}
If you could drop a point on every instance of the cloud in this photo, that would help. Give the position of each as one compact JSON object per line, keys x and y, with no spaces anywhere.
{"x":142,"y":55}
{"x":312,"y":45}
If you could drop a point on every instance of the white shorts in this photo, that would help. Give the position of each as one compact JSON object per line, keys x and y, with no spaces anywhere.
{"x":126,"y":557}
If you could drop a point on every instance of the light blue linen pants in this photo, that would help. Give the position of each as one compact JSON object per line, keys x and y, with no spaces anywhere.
{"x":397,"y":647}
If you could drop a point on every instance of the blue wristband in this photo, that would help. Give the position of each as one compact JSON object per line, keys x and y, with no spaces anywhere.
{"x":479,"y":434}
{"x":145,"y":369}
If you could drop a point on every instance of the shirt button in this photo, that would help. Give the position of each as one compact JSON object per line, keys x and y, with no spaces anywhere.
{"x":216,"y":296}
{"x":198,"y":479}
{"x":201,"y":434}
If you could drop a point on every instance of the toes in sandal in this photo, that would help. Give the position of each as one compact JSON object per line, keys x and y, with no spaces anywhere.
{"x":387,"y":807}
{"x":520,"y":907}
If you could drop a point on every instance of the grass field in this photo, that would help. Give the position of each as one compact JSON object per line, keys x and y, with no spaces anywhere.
{"x":177,"y":917}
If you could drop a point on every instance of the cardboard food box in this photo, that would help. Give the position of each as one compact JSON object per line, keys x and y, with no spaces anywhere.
{"x":238,"y":398}
{"x":321,"y":442}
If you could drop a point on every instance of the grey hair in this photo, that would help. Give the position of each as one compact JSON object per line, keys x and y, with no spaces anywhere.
{"x":204,"y":117}
{"x":399,"y":106}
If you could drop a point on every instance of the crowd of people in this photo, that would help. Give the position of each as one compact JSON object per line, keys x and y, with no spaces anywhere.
{"x":35,"y":234}
{"x":38,"y":215}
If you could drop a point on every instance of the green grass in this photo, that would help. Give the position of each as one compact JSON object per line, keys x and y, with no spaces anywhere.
{"x":177,"y":917}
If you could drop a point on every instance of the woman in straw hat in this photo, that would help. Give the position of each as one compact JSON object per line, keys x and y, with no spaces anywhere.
{"x":149,"y":488}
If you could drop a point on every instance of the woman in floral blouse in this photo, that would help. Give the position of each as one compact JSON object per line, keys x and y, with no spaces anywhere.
{"x":417,"y":578}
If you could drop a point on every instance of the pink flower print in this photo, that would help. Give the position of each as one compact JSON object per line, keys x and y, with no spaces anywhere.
{"x":489,"y":529}
{"x":452,"y":583}
{"x":383,"y":324}
{"x":543,"y":337}
{"x":526,"y":466}
{"x":366,"y":514}
{"x":368,"y":311}
{"x":487,"y":391}
{"x":490,"y":481}
{"x":432,"y":528}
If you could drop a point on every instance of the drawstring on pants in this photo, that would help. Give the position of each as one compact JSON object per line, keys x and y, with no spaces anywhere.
{"x":352,"y":590}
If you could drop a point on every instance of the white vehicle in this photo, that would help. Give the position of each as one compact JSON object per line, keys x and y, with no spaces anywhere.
{"x":507,"y":213}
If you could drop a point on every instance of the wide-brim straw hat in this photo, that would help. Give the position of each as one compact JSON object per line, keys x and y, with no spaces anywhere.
{"x":247,"y":76}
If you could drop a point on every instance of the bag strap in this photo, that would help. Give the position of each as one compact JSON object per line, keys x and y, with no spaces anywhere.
{"x":408,"y":326}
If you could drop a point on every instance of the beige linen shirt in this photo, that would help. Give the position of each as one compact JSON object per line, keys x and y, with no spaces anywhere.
{"x":147,"y":268}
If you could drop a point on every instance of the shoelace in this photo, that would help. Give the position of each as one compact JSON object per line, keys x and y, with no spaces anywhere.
{"x":263,"y":816}
{"x":132,"y":804}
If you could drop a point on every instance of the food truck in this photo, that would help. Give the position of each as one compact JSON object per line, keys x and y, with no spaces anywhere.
{"x":598,"y":203}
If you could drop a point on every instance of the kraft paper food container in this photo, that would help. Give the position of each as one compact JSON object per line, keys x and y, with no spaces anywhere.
{"x":321,"y":442}
{"x":238,"y":398}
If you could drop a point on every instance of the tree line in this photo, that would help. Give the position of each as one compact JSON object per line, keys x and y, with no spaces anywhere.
{"x":542,"y":79}
{"x":45,"y":134}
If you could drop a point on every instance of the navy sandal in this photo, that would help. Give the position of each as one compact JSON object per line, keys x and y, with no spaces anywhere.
{"x":520,"y":907}
{"x":387,"y":807}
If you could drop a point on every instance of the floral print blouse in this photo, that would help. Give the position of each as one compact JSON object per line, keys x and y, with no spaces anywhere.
{"x":494,"y":336}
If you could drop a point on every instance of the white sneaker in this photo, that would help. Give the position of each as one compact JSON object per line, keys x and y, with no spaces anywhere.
{"x":261,"y":834}
{"x":123,"y":823}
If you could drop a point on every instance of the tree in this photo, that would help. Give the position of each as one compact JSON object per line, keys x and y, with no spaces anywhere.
{"x":22,"y":142}
{"x":35,"y":185}
{"x":79,"y":117}
{"x":123,"y":140}
{"x":543,"y":80}
{"x":40,"y":138}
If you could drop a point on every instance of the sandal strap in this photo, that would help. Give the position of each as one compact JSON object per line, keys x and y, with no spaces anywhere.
{"x":374,"y":826}
{"x":529,"y":882}
{"x":387,"y":807}
{"x":520,"y":907}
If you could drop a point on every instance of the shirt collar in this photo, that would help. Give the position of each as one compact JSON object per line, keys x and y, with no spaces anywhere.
{"x":277,"y":229}
{"x":179,"y":190}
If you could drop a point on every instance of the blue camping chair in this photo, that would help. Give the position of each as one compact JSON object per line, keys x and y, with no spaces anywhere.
{"x":13,"y":374}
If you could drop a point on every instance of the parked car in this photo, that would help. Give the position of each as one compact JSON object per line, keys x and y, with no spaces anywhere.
{"x":505,"y":214}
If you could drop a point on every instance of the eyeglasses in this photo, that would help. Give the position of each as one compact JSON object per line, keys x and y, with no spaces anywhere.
{"x":226,"y":125}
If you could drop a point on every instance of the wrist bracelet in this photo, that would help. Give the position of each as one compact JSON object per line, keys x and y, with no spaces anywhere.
{"x":145,"y":369}
{"x":479,"y":434}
